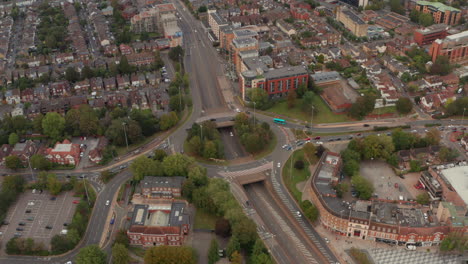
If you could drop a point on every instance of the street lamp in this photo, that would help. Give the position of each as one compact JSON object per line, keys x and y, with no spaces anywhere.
{"x":292,"y":160}
{"x":254,"y":113}
{"x":463,"y":116}
{"x":311,"y":119}
{"x":201,"y":132}
{"x":29,"y":164}
{"x":125,"y":133}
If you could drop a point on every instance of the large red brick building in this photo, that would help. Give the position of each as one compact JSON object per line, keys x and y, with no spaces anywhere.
{"x":455,"y":47}
{"x":428,"y":35}
{"x":441,"y":13}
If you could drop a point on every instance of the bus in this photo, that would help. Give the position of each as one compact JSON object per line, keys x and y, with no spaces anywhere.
{"x":279,"y":121}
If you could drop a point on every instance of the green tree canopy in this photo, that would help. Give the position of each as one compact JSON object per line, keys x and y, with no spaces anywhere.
{"x":404,"y":105}
{"x":13,"y":162}
{"x":363,"y":186}
{"x":169,"y":254}
{"x":13,"y":138}
{"x":120,"y":254}
{"x":53,"y":125}
{"x":426,"y":19}
{"x":40,"y":162}
{"x":91,"y":254}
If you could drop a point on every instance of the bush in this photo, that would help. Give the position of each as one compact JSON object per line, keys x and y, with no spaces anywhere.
{"x":223,"y":228}
{"x":299,"y":164}
{"x":359,"y":256}
{"x":310,"y":211}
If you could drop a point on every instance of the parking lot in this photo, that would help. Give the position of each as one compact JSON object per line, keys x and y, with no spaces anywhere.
{"x":40,"y":217}
{"x":386,"y":183}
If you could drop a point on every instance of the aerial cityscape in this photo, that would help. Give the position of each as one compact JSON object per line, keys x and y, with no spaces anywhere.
{"x":223,"y":131}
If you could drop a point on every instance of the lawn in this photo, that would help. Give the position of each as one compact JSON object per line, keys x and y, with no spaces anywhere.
{"x":297,"y":175}
{"x":323,"y":113}
{"x":384,"y":110}
{"x":204,"y":220}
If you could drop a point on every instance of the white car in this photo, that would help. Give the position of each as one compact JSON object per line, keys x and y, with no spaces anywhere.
{"x":284,"y":146}
{"x":319,"y":143}
{"x":238,"y":110}
{"x":107,"y":202}
{"x":298,"y":214}
{"x":279,"y":165}
{"x":326,"y":240}
{"x":231,"y":134}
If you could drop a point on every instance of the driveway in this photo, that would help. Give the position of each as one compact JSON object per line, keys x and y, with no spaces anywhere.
{"x":90,"y":143}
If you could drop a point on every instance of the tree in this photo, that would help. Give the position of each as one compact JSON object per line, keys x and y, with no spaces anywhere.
{"x":168,"y":120}
{"x":177,"y":102}
{"x":88,"y":121}
{"x":53,"y":184}
{"x":13,"y":139}
{"x":176,"y":54}
{"x":159,"y":154}
{"x":53,"y":125}
{"x":363,"y":106}
{"x":258,"y":96}
{"x":291,"y":99}
{"x":425,"y":19}
{"x":120,"y":254}
{"x":71,"y":75}
{"x":169,"y":254}
{"x":341,"y":188}
{"x":310,"y":211}
{"x":210,"y":150}
{"x":309,"y":152}
{"x":404,"y":105}
{"x":351,"y":167}
{"x":91,"y":254}
{"x":196,"y":145}
{"x":40,"y":162}
{"x":447,"y":154}
{"x":176,"y":165}
{"x":441,"y":66}
{"x":377,"y":147}
{"x":433,"y":136}
{"x":299,"y":165}
{"x":122,"y":238}
{"x":307,"y":101}
{"x":246,"y":231}
{"x":395,"y":6}
{"x":233,"y":246}
{"x":363,"y":186}
{"x":405,"y":77}
{"x":87,"y":72}
{"x":202,"y":9}
{"x":213,"y":251}
{"x":144,"y":166}
{"x":236,"y":258}
{"x":454,"y":242}
{"x":414,"y":16}
{"x":124,"y":67}
{"x":423,"y":198}
{"x":37,"y":123}
{"x":223,"y":228}
{"x":13,"y":162}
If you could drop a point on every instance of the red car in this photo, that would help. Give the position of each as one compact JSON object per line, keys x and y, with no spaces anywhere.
{"x":316,"y":138}
{"x":76,"y":201}
{"x":307,"y":139}
{"x":396,"y":185}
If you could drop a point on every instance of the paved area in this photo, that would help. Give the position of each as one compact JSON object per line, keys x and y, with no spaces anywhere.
{"x":36,"y":211}
{"x":411,"y":179}
{"x":381,"y":256}
{"x":90,"y":143}
{"x":384,"y":180}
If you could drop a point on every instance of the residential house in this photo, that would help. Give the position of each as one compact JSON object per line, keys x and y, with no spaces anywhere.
{"x":13,"y":96}
{"x":24,"y":151}
{"x":60,"y":89}
{"x":82,"y":87}
{"x":95,"y":155}
{"x":109,"y":84}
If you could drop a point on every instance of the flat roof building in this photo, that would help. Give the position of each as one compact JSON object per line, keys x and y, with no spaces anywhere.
{"x":441,"y":13}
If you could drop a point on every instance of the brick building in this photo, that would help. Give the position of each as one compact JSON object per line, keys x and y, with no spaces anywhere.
{"x":455,"y":47}
{"x":65,"y":153}
{"x":161,"y":187}
{"x":351,"y":21}
{"x":428,"y":35}
{"x":216,"y":21}
{"x":441,"y":13}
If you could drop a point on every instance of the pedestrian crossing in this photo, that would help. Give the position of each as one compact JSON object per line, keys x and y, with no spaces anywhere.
{"x":292,"y":209}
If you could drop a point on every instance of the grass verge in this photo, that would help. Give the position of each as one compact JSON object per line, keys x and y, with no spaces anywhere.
{"x":205,"y":220}
{"x":323,"y":113}
{"x":291,"y":180}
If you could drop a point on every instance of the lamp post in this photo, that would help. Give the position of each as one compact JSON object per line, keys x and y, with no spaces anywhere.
{"x":201,"y":133}
{"x":29,"y":164}
{"x":125,"y":133}
{"x":292,"y":161}
{"x":463,"y":117}
{"x":311,"y":119}
{"x":254,"y":114}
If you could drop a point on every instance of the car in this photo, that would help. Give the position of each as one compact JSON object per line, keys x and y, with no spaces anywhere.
{"x":238,"y":110}
{"x":350,"y":137}
{"x":231,"y":134}
{"x":22,"y":223}
{"x":76,"y":201}
{"x":27,"y":211}
{"x":298,"y":214}
{"x":19,"y":229}
{"x":307,"y":139}
{"x":300,"y":143}
{"x":366,"y":125}
{"x":48,"y":227}
{"x":288,"y":148}
{"x":30,"y":218}
{"x":278,"y":165}
{"x":69,"y":262}
{"x":338,"y":139}
{"x":17,"y":234}
{"x":316,"y":138}
{"x":396,"y":185}
{"x":331,"y":139}
{"x":358,"y":134}
{"x":414,"y":131}
{"x":4,"y":222}
{"x":65,"y":224}
{"x":319,"y":143}
{"x":284,"y":146}
{"x":326,"y":240}
{"x":53,"y":198}
{"x":107,"y":202}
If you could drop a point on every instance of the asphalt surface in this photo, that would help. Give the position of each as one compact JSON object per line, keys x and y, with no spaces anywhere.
{"x":232,"y":146}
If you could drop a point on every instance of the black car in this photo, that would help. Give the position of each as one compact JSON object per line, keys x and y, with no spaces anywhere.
{"x":21,"y":223}
{"x":53,"y":198}
{"x":48,"y":227}
{"x":28,"y":211}
{"x":366,"y":125}
{"x":19,"y":229}
{"x":65,"y":224}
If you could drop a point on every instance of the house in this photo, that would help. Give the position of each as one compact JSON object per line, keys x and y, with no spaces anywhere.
{"x":140,"y":59}
{"x":109,"y":83}
{"x":123,"y":81}
{"x":64,"y":153}
{"x":4,"y":152}
{"x":161,"y":187}
{"x":95,"y":155}
{"x":24,"y":151}
{"x":95,"y":83}
{"x":152,"y":80}
{"x":27,"y":95}
{"x":60,"y":89}
{"x":18,"y":110}
{"x":125,"y":49}
{"x":13,"y":96}
{"x":82,"y":87}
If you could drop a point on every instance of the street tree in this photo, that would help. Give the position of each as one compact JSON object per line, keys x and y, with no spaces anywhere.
{"x":37,"y":123}
{"x":170,"y":254}
{"x":404,"y":105}
{"x":40,"y":162}
{"x":122,"y":238}
{"x":223,"y":228}
{"x":91,"y":254}
{"x":177,"y":165}
{"x":198,"y":175}
{"x":13,"y":162}
{"x":13,"y":138}
{"x":159,"y":154}
{"x":120,"y":254}
{"x":309,"y":152}
{"x":258,"y":96}
{"x":447,"y":154}
{"x":71,"y":75}
{"x":236,"y":258}
{"x":423,"y":198}
{"x":53,"y":126}
{"x":377,"y":147}
{"x":53,"y":184}
{"x":210,"y":150}
{"x":233,"y":246}
{"x":168,"y":120}
{"x":433,"y":136}
{"x":291,"y":99}
{"x":310,"y":210}
{"x":144,"y":166}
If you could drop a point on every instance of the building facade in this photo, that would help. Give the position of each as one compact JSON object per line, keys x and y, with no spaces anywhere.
{"x":441,"y":13}
{"x":428,"y":35}
{"x":455,"y":47}
{"x":65,"y":153}
{"x":351,"y":21}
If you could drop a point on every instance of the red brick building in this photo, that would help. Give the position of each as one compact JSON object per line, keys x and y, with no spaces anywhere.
{"x":455,"y":47}
{"x":65,"y":153}
{"x":279,"y":82}
{"x":155,"y":235}
{"x":428,"y":35}
{"x":440,"y":12}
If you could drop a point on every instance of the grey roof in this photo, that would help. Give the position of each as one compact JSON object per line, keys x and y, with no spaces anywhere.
{"x":243,"y":33}
{"x":172,"y":182}
{"x":179,"y":214}
{"x":244,"y":41}
{"x":285,"y":72}
{"x":325,"y":76}
{"x":140,"y":213}
{"x":353,"y":17}
{"x":256,"y":63}
{"x":218,"y":19}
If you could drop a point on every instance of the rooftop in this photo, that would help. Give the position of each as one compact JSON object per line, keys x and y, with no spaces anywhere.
{"x":171,"y":182}
{"x":242,"y":33}
{"x":325,"y":76}
{"x":62,"y":148}
{"x":439,"y":6}
{"x":285,"y":72}
{"x":354,"y":17}
{"x":458,"y":36}
{"x":458,"y":178}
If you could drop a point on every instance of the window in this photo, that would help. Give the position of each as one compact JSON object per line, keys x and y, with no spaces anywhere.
{"x":304,"y":79}
{"x":288,"y":84}
{"x":280,"y":88}
{"x":296,"y":81}
{"x":272,"y":87}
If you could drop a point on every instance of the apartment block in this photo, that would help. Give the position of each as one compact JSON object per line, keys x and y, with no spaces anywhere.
{"x":351,"y":21}
{"x":428,"y":35}
{"x":455,"y":47}
{"x":441,"y":13}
